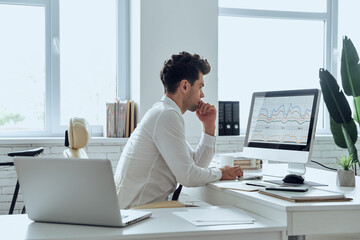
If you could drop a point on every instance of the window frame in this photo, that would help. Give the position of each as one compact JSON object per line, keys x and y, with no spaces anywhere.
{"x":53,"y":128}
{"x":330,"y":18}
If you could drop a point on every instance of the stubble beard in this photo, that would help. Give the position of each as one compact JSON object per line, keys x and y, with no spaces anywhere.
{"x":193,"y":108}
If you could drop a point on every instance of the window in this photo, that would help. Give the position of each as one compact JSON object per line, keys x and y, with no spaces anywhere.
{"x":273,"y":45}
{"x":23,"y":64}
{"x":348,"y":25}
{"x":88,"y":59}
{"x":60,"y":59}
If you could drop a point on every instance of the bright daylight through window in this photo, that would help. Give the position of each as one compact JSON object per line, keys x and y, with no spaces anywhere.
{"x":22,"y":61}
{"x":59,"y":59}
{"x":278,"y":45}
{"x":267,"y":54}
{"x":88,"y":59}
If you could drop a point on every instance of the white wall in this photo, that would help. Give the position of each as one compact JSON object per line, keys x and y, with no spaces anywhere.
{"x":161,"y":28}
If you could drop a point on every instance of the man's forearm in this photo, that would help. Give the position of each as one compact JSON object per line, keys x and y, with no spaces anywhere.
{"x":210,"y":130}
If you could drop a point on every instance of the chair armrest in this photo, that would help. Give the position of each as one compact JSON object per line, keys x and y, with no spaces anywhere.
{"x":28,"y":153}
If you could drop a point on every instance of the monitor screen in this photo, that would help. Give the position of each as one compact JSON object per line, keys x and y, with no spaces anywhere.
{"x":281,"y":125}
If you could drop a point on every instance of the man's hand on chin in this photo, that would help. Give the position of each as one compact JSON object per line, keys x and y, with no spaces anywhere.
{"x":207,"y":115}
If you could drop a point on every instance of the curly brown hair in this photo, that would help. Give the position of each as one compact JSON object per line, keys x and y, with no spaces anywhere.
{"x":182,"y":66}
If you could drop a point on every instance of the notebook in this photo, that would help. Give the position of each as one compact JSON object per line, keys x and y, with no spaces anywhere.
{"x":71,"y":190}
{"x":312,"y":195}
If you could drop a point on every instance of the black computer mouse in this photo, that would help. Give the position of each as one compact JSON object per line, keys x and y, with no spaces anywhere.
{"x":293,"y":178}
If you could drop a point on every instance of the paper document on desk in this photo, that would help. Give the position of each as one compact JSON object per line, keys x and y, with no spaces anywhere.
{"x":236,"y":185}
{"x":248,"y":186}
{"x":216,"y":216}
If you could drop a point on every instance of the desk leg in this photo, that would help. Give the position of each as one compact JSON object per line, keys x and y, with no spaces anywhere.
{"x":298,"y":237}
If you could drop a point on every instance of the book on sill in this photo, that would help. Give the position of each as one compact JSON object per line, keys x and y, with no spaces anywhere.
{"x":120,"y":118}
{"x":312,"y":195}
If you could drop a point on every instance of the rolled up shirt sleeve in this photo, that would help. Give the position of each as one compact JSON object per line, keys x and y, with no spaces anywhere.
{"x":189,"y":167}
{"x":204,"y":151}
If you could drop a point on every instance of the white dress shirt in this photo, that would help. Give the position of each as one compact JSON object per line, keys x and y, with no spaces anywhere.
{"x":157,"y":157}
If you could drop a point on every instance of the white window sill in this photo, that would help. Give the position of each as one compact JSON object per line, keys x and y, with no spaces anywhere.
{"x":104,"y":140}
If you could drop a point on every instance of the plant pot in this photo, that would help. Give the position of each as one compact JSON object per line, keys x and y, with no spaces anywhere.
{"x":345,"y":178}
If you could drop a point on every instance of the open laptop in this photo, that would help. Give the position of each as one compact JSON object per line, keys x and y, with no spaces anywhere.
{"x":70,"y":190}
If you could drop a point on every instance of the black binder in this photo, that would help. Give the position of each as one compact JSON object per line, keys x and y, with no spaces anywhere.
{"x":228,"y":118}
{"x":221,"y":119}
{"x":235,"y":118}
{"x":229,"y":115}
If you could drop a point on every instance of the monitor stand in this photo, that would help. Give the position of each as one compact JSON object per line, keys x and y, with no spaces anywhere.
{"x":297,"y":168}
{"x":292,"y":168}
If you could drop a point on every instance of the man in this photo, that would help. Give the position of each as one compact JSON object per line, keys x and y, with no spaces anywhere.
{"x":157,"y":156}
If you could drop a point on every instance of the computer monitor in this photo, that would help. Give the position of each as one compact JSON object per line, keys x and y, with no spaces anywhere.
{"x":281,"y":127}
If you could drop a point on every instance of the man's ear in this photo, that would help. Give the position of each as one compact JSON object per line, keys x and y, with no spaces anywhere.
{"x":184,"y":86}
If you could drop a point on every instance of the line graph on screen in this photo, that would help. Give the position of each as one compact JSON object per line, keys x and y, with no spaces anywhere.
{"x":281,"y":120}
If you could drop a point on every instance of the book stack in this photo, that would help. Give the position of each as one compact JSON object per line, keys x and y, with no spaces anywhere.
{"x":248,"y":164}
{"x":120,"y":118}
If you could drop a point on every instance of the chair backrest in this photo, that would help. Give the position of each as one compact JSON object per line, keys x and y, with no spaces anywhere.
{"x":78,"y":135}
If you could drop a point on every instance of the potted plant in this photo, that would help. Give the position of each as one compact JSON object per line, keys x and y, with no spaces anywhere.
{"x":345,"y":177}
{"x":342,"y":123}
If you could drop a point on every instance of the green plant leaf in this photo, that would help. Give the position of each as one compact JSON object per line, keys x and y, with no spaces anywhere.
{"x":356,"y":102}
{"x":350,"y":73}
{"x":350,"y":142}
{"x":337,"y":132}
{"x":350,"y":68}
{"x":346,"y":162}
{"x":334,"y":98}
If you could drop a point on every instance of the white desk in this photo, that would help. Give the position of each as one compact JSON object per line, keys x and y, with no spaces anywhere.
{"x":162,"y":225}
{"x":301,"y":218}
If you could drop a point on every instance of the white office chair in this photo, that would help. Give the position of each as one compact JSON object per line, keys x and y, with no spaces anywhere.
{"x":77,"y":137}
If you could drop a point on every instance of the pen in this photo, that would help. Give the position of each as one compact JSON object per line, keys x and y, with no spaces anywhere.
{"x":237,"y":221}
{"x":254,"y":184}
